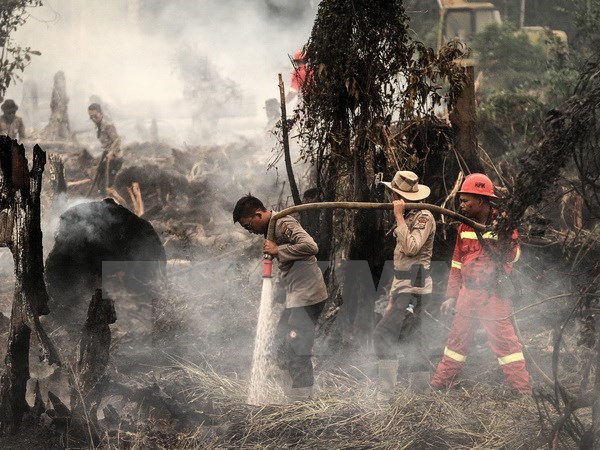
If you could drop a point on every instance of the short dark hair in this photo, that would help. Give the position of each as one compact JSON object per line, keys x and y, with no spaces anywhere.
{"x":95,"y":107}
{"x":9,"y":106}
{"x":246,"y":207}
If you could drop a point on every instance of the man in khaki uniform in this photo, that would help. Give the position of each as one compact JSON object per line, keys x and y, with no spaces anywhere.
{"x":414,"y":234}
{"x":300,"y":276}
{"x":111,"y":146}
{"x":11,"y":125}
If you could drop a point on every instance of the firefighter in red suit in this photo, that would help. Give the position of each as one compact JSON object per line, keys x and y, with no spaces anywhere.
{"x":474,"y":295}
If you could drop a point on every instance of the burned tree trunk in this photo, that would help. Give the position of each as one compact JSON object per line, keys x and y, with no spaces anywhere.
{"x":89,"y":380}
{"x":54,"y":186}
{"x":58,"y":128}
{"x":20,"y":202}
{"x":354,"y":245}
{"x":464,"y":121}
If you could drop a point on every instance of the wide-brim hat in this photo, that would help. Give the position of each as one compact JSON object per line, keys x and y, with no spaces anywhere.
{"x":9,"y":106}
{"x":406,"y":184}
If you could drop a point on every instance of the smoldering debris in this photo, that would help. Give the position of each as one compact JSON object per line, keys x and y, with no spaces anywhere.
{"x":186,"y":193}
{"x":95,"y":243}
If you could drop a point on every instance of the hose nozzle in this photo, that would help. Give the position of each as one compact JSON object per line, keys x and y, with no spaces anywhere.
{"x":267,"y":266}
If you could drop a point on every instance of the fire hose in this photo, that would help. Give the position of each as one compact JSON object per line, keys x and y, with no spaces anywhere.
{"x":268,"y":264}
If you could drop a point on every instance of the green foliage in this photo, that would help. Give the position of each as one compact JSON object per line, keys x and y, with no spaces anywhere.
{"x":13,"y":57}
{"x":520,"y":80}
{"x":587,"y":21}
{"x":203,"y":84}
{"x":367,"y":75}
{"x":508,"y":59}
{"x":210,"y":94}
{"x":509,"y":120}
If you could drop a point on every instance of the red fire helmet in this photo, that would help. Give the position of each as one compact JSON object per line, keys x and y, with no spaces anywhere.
{"x":479,"y":184}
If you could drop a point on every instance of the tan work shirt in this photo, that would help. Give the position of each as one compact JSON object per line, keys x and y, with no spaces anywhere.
{"x":108,"y":137}
{"x":414,"y":245}
{"x":298,"y":269}
{"x":14,"y":130}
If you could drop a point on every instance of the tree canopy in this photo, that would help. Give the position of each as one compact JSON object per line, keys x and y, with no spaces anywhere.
{"x":367,"y":74}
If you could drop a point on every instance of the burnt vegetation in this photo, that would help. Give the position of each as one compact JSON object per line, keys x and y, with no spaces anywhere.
{"x":144,"y":308}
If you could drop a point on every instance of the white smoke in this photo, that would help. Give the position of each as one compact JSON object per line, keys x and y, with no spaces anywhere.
{"x":130,"y":54}
{"x":124,"y":51}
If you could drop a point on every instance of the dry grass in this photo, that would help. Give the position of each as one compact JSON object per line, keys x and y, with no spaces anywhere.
{"x":347,"y":414}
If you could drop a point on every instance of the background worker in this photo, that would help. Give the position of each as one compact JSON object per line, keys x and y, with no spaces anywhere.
{"x":412,"y":284}
{"x":305,"y":291}
{"x":111,"y":146}
{"x":11,"y":125}
{"x":474,"y":292}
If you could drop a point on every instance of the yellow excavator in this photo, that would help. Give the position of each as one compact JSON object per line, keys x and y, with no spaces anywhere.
{"x":461,"y":20}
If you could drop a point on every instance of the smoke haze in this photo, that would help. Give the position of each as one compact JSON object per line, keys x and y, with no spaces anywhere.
{"x":202,"y":70}
{"x":128,"y":54}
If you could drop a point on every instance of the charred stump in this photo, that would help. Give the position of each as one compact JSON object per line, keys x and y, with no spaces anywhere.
{"x":39,"y":407}
{"x":20,"y":206}
{"x":88,"y":379}
{"x":104,"y":245}
{"x":58,"y":128}
{"x":60,"y":416}
{"x":54,"y":186}
{"x":57,"y":183}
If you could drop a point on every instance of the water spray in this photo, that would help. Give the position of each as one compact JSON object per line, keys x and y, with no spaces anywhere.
{"x":259,"y":393}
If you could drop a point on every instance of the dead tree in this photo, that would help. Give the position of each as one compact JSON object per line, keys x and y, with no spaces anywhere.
{"x":88,"y":379}
{"x":58,"y":128}
{"x":54,"y":186}
{"x":21,"y":232}
{"x":464,"y":122}
{"x":286,"y":146}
